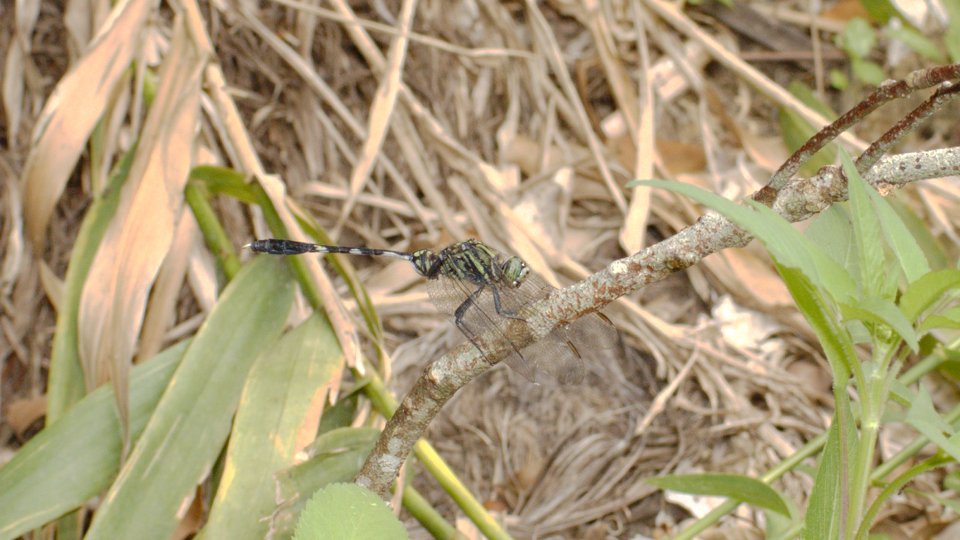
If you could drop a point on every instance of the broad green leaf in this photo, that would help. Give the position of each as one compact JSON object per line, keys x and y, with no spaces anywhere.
{"x":858,"y":38}
{"x":734,"y":486}
{"x":832,"y":231}
{"x":187,"y":431}
{"x":924,"y":417}
{"x":925,"y":291}
{"x":348,"y":512}
{"x":76,"y":457}
{"x":277,"y":416}
{"x":883,"y":312}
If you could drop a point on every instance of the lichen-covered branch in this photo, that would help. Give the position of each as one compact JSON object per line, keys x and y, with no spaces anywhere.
{"x":796,"y":201}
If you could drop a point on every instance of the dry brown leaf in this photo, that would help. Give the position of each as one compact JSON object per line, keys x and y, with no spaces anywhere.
{"x":115,"y":294}
{"x":73,"y":110}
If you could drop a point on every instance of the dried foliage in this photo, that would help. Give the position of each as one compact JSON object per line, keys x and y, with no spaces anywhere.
{"x":410,"y":125}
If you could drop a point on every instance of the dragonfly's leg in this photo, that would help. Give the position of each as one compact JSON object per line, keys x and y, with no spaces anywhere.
{"x":461,"y":311}
{"x":499,"y":307}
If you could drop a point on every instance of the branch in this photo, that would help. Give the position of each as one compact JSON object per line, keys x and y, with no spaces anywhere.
{"x":797,"y":200}
{"x":792,"y":198}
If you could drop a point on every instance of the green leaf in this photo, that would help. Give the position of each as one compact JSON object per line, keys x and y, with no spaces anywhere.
{"x":187,"y":431}
{"x":284,"y":392}
{"x":838,"y":79}
{"x":858,"y":38}
{"x":733,"y":486}
{"x":880,"y":11}
{"x":924,"y":417}
{"x":867,"y":233}
{"x":788,"y":247}
{"x":950,"y":319}
{"x":925,"y":291}
{"x":868,"y":72}
{"x":918,"y":42}
{"x":879,"y":311}
{"x":822,"y":520}
{"x":952,"y":36}
{"x":224,"y":180}
{"x":905,"y":246}
{"x":832,"y":231}
{"x":348,"y":512}
{"x":77,"y":457}
{"x":336,"y":456}
{"x":836,"y":343}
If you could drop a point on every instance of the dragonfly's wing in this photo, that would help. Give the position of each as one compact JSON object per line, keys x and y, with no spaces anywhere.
{"x":560,"y":354}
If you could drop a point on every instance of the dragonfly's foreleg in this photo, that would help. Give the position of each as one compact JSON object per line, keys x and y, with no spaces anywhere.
{"x":499,"y":307}
{"x":459,"y":313}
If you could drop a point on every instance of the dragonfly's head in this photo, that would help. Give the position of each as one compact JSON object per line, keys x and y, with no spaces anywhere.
{"x":426,"y":262}
{"x":515,"y":271}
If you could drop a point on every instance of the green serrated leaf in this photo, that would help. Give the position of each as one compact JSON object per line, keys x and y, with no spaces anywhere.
{"x":737,"y":487}
{"x":348,"y":512}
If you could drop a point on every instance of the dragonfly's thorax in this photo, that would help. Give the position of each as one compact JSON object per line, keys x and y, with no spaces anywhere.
{"x":427,"y":263}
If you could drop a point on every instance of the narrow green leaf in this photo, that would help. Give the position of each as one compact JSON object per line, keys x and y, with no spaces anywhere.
{"x":76,"y":457}
{"x":926,"y":290}
{"x":822,"y":520}
{"x":282,"y":399}
{"x":187,"y":431}
{"x":918,"y":42}
{"x":734,"y":486}
{"x":925,"y":418}
{"x":813,"y":305}
{"x":867,"y":229}
{"x":226,"y":181}
{"x":786,"y":244}
{"x":879,"y":311}
{"x":905,"y":246}
{"x":950,"y":319}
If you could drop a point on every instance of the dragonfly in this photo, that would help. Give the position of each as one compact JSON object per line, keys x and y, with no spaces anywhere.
{"x":482,"y":289}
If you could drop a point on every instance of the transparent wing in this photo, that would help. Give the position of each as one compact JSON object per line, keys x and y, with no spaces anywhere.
{"x":559,"y":355}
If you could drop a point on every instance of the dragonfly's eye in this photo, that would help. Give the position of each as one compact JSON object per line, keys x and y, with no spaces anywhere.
{"x":515,"y":271}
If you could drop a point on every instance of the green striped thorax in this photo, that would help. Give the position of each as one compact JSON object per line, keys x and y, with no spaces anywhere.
{"x":471,"y":261}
